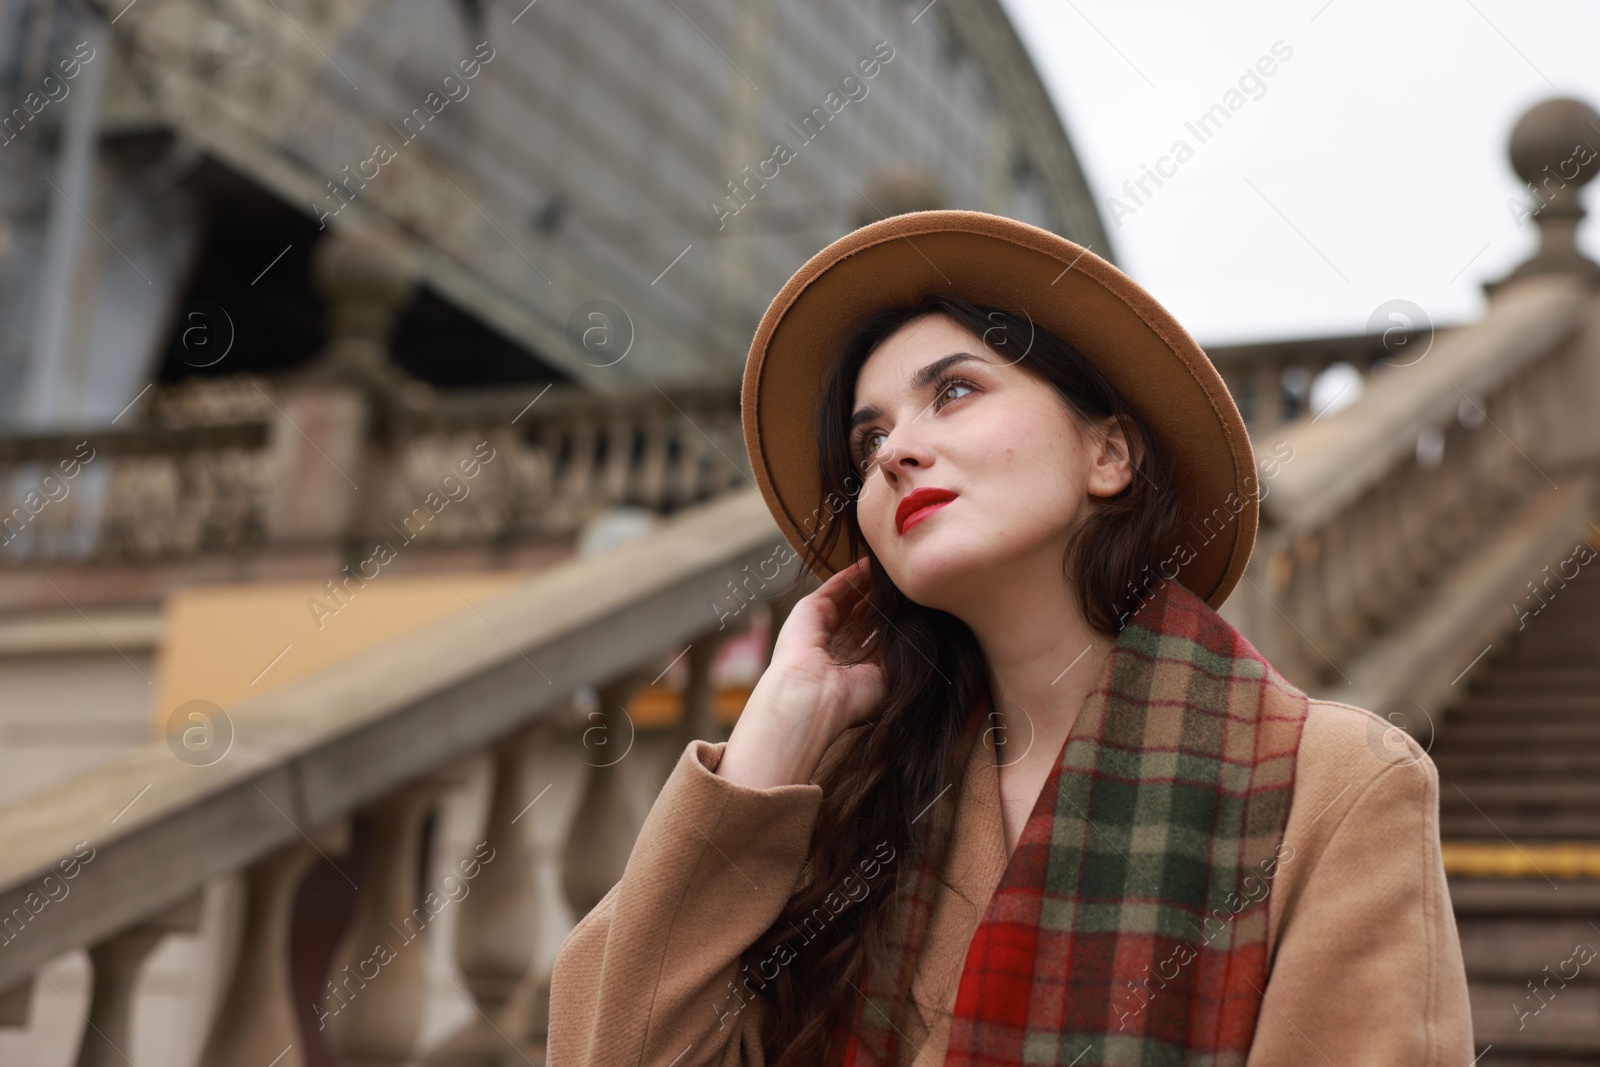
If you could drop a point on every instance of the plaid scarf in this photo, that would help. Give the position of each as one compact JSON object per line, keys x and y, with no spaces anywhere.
{"x":1125,"y":929}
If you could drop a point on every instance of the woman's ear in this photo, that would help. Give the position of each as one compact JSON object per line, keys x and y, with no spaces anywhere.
{"x":1111,"y":466}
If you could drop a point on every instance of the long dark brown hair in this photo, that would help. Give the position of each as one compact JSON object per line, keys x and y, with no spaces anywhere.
{"x":865,"y":844}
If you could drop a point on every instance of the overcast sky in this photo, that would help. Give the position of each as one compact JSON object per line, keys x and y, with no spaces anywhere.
{"x":1370,"y":166}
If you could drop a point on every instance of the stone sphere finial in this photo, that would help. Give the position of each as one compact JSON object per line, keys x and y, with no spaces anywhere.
{"x":1555,"y":149}
{"x":366,"y":280}
{"x":1558,"y":139}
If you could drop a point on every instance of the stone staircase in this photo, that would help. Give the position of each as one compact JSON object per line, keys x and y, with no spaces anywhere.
{"x":1519,"y":768}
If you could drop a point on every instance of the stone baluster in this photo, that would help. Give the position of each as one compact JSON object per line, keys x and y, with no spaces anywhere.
{"x":373,"y":1000}
{"x":698,"y":720}
{"x":1303,"y":603}
{"x":1480,"y":473}
{"x":725,"y":429}
{"x":576,"y":480}
{"x":1385,"y":567}
{"x":1527,"y":423}
{"x":1415,"y":517}
{"x":116,"y":961}
{"x":521,"y":482}
{"x":650,"y":482}
{"x":1321,"y":595}
{"x":497,"y":932}
{"x":1396,"y":539}
{"x":615,"y":477}
{"x":1299,"y":602}
{"x":699,"y":693}
{"x":1509,"y":465}
{"x":552,"y":515}
{"x":1271,"y":567}
{"x":1345,"y":623}
{"x":256,"y":1021}
{"x":16,"y":1004}
{"x":1267,"y":406}
{"x":512,"y":461}
{"x":1364,"y":600}
{"x":692,"y":450}
{"x":1426,"y":507}
{"x":603,"y":831}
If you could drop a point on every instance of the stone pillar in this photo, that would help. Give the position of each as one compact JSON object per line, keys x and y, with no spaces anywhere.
{"x":497,"y":933}
{"x":604,"y":828}
{"x":16,"y":1004}
{"x":326,"y":475}
{"x":372,"y":1003}
{"x":255,"y":1022}
{"x":116,"y":962}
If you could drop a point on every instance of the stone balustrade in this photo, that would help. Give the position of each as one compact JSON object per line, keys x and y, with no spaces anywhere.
{"x":380,"y":744}
{"x":1472,"y":455}
{"x":262,"y":476}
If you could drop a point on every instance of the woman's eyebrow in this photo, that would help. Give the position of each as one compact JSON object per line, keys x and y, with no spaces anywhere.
{"x":919,"y":381}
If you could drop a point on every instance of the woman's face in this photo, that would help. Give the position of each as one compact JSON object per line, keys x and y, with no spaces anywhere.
{"x":973,"y":471}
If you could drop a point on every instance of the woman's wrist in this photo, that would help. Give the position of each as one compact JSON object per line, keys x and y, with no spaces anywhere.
{"x":779,"y":738}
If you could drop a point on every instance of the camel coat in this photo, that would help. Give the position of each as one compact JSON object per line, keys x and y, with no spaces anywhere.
{"x":1365,"y":963}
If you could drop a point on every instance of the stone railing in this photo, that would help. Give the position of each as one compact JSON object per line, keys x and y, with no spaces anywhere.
{"x":115,"y":859}
{"x":1272,"y":382}
{"x":250,"y":465}
{"x":130,"y":493}
{"x":1403,"y":534}
{"x":1396,"y":531}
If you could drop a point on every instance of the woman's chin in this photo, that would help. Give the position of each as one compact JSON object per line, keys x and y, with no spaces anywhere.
{"x":934,"y":576}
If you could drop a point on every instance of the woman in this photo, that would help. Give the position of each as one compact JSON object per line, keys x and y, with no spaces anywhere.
{"x":1010,"y":791}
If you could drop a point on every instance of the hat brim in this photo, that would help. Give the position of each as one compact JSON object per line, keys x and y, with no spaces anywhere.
{"x":1141,"y":349}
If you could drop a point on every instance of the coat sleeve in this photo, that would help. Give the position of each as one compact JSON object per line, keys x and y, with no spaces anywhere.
{"x":652,"y":975}
{"x":1367,"y":968}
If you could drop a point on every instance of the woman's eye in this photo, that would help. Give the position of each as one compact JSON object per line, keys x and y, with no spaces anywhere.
{"x":945,"y":392}
{"x":867,"y":442}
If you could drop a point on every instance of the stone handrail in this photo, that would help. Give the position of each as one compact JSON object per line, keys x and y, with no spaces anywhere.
{"x":1260,"y":374}
{"x":378,"y":735}
{"x":1346,"y":453}
{"x":57,"y":445}
{"x":1371,"y":514}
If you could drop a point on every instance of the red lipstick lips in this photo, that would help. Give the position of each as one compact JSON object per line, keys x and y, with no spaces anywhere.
{"x":918,"y":505}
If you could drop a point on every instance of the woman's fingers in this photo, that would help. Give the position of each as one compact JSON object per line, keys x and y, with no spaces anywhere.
{"x":849,"y":588}
{"x":854,"y":581}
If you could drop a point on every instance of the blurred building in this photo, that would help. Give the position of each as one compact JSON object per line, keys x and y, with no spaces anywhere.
{"x":281,"y":270}
{"x":347,"y":317}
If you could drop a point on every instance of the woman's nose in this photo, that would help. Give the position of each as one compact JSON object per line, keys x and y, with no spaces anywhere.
{"x":905,"y":447}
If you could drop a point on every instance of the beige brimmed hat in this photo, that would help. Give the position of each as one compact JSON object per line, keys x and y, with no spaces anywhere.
{"x":988,"y":259}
